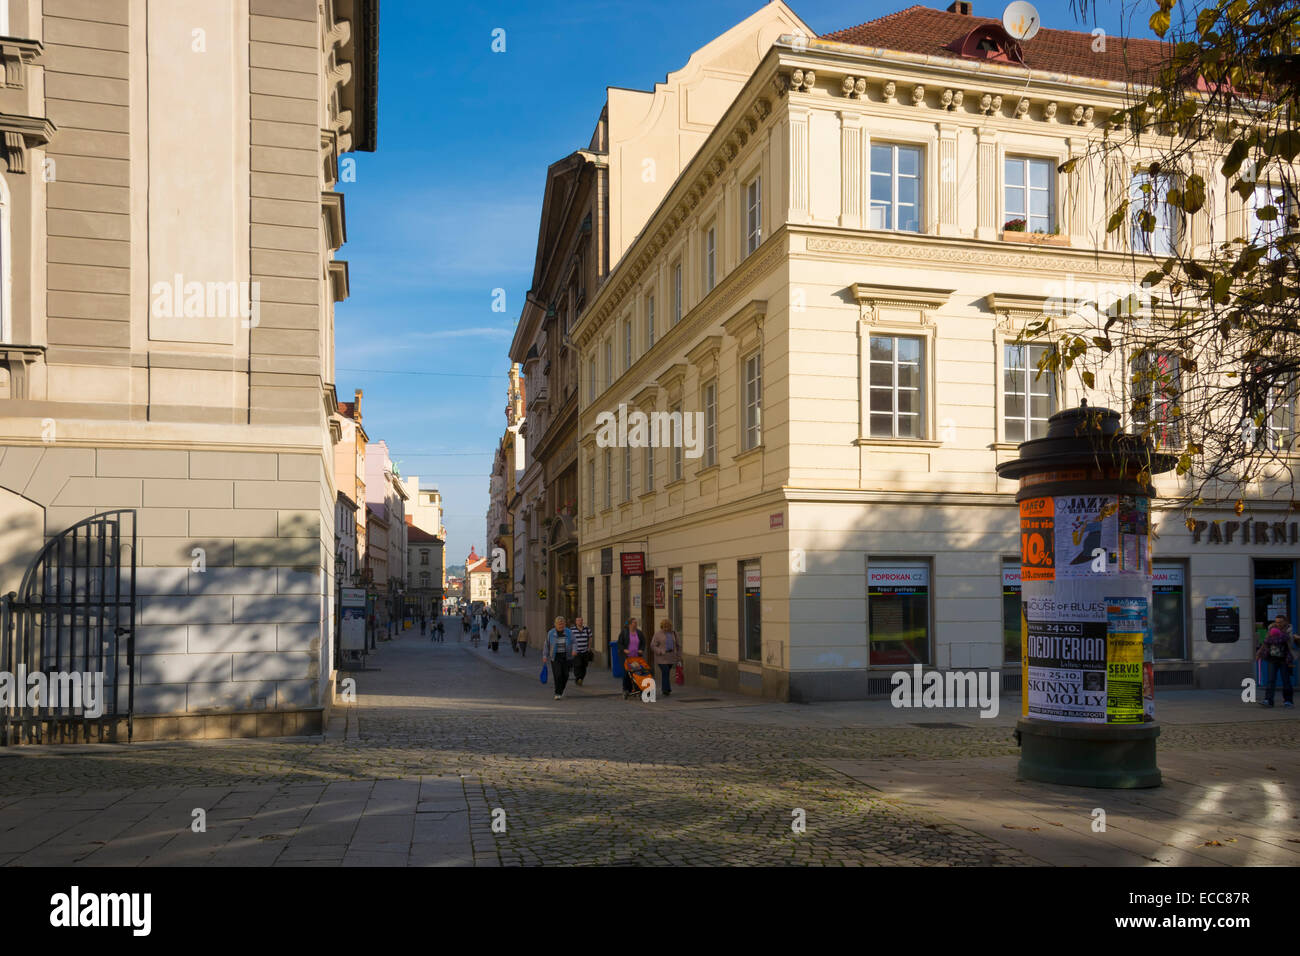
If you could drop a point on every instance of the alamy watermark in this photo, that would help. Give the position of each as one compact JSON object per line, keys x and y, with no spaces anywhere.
{"x":207,"y":300}
{"x":82,"y":691}
{"x":637,"y":429}
{"x":947,"y":689}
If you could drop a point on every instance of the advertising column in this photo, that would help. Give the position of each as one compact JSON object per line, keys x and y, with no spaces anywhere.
{"x":1087,"y":705}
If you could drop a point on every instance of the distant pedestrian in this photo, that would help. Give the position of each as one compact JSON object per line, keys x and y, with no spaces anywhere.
{"x":494,"y":635}
{"x":522,"y":640}
{"x":631,"y":643}
{"x":442,"y":632}
{"x":1276,"y":655}
{"x":581,"y":650}
{"x":475,"y":632}
{"x":514,"y":640}
{"x":665,"y":653}
{"x":558,"y":651}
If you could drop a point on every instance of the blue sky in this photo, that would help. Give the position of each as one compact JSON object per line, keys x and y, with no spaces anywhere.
{"x":446,"y":210}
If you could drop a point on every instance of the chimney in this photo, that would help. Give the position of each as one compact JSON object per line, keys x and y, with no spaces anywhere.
{"x":961,"y":6}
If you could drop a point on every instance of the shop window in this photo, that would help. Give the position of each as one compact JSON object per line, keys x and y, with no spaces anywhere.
{"x":898,"y":613}
{"x":675,"y":599}
{"x":1011,"y":644}
{"x":709,"y":609}
{"x":1168,"y":613}
{"x":751,"y":617}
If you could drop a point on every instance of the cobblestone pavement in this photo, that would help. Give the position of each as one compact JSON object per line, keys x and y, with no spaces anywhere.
{"x":444,"y":736}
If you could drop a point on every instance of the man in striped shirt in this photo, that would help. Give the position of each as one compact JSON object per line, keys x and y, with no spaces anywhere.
{"x":581,"y":650}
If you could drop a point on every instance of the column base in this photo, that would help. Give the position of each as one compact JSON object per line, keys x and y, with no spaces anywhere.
{"x":1115,"y":757}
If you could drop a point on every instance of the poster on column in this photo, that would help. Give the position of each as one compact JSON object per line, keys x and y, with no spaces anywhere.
{"x":1065,"y":663}
{"x":1126,"y":635}
{"x":1134,"y":529}
{"x":1086,"y":529}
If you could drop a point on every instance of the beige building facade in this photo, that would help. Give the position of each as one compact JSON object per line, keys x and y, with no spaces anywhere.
{"x":830,"y":295}
{"x":171,"y":223}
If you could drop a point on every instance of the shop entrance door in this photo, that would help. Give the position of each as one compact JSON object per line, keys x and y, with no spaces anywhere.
{"x":1275,"y":593}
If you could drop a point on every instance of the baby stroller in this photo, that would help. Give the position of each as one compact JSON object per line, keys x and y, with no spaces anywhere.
{"x":638,"y":671}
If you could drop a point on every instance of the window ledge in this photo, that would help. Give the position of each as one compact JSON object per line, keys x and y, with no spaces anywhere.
{"x":645,"y":495}
{"x":754,"y":452}
{"x":1005,"y":446}
{"x":903,"y":442}
{"x":1036,"y":238}
{"x":707,"y":470}
{"x":674,"y":483}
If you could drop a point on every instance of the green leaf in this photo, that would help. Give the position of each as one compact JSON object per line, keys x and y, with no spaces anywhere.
{"x":1088,"y":379}
{"x":1068,"y":165}
{"x":1160,"y":23}
{"x":1103,"y":344}
{"x":1236,"y":156}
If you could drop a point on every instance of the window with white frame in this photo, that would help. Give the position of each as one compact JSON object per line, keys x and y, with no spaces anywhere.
{"x":627,"y":344}
{"x":1028,"y":195}
{"x":1269,"y":201}
{"x":649,"y":322}
{"x":627,"y":474}
{"x":592,"y":389}
{"x":678,"y":442}
{"x":753,"y":214}
{"x":1270,"y":415}
{"x":591,"y":487}
{"x":896,"y":187}
{"x":609,"y":478}
{"x":1154,"y":223}
{"x":1028,"y":397}
{"x":896,"y":383}
{"x":677,"y":293}
{"x":752,"y":390}
{"x":1156,"y":388}
{"x":710,"y":258}
{"x":710,"y":424}
{"x":649,"y":468}
{"x":609,"y":363}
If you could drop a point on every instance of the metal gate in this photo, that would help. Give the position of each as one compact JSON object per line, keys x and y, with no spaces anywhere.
{"x":67,"y":637}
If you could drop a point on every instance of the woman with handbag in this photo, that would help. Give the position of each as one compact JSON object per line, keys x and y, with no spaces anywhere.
{"x":666,"y":653}
{"x":631,"y":643}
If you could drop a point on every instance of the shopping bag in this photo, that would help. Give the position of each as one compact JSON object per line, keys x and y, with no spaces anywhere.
{"x":679,"y":675}
{"x":542,"y":677}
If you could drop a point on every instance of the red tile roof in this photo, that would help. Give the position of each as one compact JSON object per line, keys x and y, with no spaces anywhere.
{"x":923,"y":30}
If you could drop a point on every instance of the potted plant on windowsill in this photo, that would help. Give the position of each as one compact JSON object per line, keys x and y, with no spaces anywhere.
{"x":1014,"y":230}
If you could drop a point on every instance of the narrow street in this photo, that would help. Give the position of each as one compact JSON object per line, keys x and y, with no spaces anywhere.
{"x":442,"y":735}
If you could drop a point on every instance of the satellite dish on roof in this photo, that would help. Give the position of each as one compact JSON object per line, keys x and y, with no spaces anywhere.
{"x":1021,"y":20}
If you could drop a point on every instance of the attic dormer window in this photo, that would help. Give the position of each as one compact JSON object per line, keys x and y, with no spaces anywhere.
{"x":988,"y":41}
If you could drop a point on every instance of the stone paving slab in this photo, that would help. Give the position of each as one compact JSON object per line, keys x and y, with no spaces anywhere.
{"x":445,"y":741}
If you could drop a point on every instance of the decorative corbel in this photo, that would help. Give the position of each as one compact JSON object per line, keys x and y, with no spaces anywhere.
{"x":18,"y":55}
{"x":801,"y":81}
{"x":918,"y":95}
{"x":1022,"y":108}
{"x":889,"y":89}
{"x":22,"y":133}
{"x":1049,"y":112}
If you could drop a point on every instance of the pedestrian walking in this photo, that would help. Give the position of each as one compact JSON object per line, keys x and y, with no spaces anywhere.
{"x":494,"y":634}
{"x":442,"y":631}
{"x":665,"y":653}
{"x":631,"y":643}
{"x":514,"y":640}
{"x":1276,"y":654}
{"x":582,"y":655}
{"x":557,"y":651}
{"x":475,"y":632}
{"x":522,"y":639}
